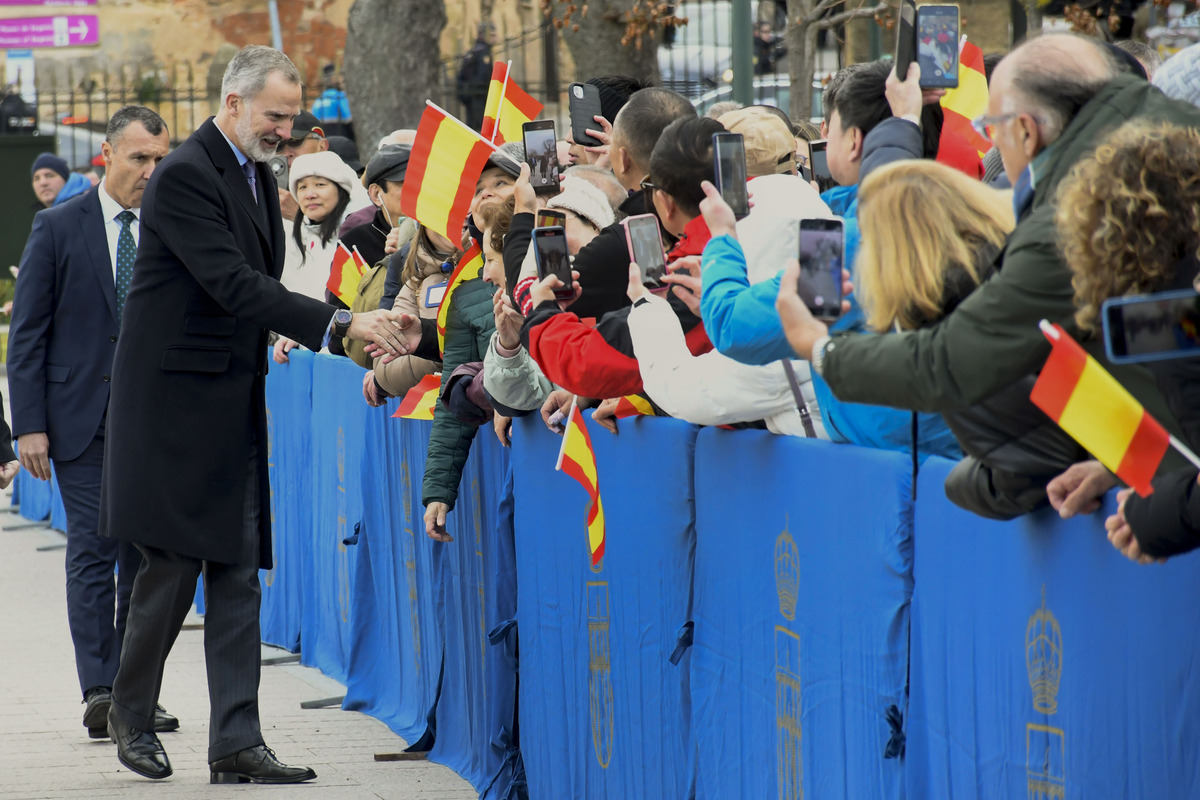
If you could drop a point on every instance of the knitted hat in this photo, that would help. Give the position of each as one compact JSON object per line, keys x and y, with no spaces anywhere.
{"x":509,"y":158}
{"x":51,"y":161}
{"x":585,"y":200}
{"x":325,"y":164}
{"x":770,"y":147}
{"x":1179,"y":76}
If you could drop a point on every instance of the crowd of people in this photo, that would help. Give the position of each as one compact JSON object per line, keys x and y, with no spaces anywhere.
{"x":1086,"y":194}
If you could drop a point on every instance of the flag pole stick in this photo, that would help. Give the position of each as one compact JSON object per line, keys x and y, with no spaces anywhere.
{"x":500,"y":107}
{"x":358,"y":258}
{"x":1184,"y":451}
{"x":462,"y":124}
{"x":566,"y":432}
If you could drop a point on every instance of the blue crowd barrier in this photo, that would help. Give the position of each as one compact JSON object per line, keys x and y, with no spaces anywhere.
{"x":1045,"y":664}
{"x":606,"y":713}
{"x":847,"y":642}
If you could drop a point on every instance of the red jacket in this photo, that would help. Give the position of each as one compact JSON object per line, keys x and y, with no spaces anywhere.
{"x":598,"y":362}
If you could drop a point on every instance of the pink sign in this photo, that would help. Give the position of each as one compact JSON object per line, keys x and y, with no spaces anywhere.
{"x":48,"y":2}
{"x":65,"y":31}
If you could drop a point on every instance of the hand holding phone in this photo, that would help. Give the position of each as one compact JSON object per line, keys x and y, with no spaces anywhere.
{"x":584,"y":102}
{"x":541,"y":154}
{"x":1152,"y":327}
{"x":906,"y":37}
{"x":822,"y":244}
{"x":550,"y":254}
{"x":645,"y":247}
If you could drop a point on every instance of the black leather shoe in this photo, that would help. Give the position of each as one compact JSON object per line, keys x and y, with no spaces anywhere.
{"x":164,"y":722}
{"x":256,"y":765}
{"x":95,"y":716}
{"x":139,"y":751}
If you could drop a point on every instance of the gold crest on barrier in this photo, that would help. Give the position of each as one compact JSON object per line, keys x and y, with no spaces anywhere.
{"x":1045,"y":745}
{"x":600,"y":689}
{"x":790,"y":769}
{"x":787,"y":573}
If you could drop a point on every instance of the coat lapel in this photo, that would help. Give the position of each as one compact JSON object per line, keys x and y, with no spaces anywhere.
{"x":226,"y":163}
{"x":95,"y":241}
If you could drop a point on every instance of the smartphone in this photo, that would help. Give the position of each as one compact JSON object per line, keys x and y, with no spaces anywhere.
{"x":1152,"y":327}
{"x":646,"y":247}
{"x":729,"y":167}
{"x":584,"y":101}
{"x":541,"y":154}
{"x":822,"y":244}
{"x":819,"y":162}
{"x":279,"y":168}
{"x":906,"y":38}
{"x":550,"y":254}
{"x":549,"y":218}
{"x":937,"y":46}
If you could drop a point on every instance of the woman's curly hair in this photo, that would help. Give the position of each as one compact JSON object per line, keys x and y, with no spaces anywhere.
{"x":1129,"y":213}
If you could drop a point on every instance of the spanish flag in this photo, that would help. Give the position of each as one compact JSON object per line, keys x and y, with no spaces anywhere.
{"x":420,"y":400}
{"x":577,"y":459}
{"x":508,"y":107}
{"x":446,"y":160}
{"x":344,"y":274}
{"x":1099,"y":413}
{"x":960,"y":146}
{"x":633,"y":405}
{"x":469,"y":266}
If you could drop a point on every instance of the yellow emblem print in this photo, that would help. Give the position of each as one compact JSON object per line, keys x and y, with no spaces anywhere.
{"x":787,"y":573}
{"x":600,"y":689}
{"x":789,"y":760}
{"x":1043,"y":657}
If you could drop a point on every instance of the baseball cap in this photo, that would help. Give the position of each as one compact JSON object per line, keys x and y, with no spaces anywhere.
{"x":770,"y":147}
{"x":305,"y":125}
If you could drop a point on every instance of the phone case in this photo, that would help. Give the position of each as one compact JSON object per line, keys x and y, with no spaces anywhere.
{"x":583,"y":111}
{"x":646,"y":277}
{"x":568,"y":289}
{"x":906,"y":38}
{"x":937,"y":46}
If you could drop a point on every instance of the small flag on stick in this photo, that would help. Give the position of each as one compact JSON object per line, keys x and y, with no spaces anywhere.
{"x":421,"y":399}
{"x":578,"y":459}
{"x":468,"y":267}
{"x":1099,"y":413}
{"x":633,"y":405}
{"x":344,"y":274}
{"x":508,"y":107}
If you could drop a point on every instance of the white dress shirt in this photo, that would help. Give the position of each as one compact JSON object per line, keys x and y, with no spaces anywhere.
{"x":112,"y":227}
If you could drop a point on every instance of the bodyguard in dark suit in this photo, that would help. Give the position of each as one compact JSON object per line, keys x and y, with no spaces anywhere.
{"x":66,"y":317}
{"x":185,"y":471}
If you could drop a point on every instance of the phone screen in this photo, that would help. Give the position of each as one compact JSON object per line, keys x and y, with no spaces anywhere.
{"x":819,"y":161}
{"x":821,"y":245}
{"x":937,"y":46}
{"x":541,"y":153}
{"x":645,"y":247}
{"x":1154,"y":327}
{"x":729,"y":157}
{"x":550,"y":251}
{"x":548,"y":218}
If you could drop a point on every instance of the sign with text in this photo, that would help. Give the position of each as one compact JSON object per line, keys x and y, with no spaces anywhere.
{"x":48,"y":2}
{"x":64,"y":31}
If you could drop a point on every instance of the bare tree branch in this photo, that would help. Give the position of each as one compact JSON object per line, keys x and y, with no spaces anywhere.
{"x":846,"y":16}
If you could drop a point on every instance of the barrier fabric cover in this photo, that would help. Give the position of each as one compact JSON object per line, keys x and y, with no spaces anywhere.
{"x":603,"y":711}
{"x":1045,"y":664}
{"x":289,"y":464}
{"x":802,"y":585}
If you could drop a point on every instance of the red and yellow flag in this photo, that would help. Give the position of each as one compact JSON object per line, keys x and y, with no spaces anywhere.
{"x":633,"y":405}
{"x":959,"y":106}
{"x":344,"y":274}
{"x":421,"y":399}
{"x":446,"y":160}
{"x":1098,"y":412}
{"x":577,"y":459}
{"x":468,"y":267}
{"x":508,"y":107}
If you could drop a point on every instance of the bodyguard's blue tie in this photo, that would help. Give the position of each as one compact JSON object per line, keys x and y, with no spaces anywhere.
{"x":126,"y":252}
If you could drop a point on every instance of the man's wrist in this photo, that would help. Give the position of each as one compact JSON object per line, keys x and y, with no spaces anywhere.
{"x":820,"y":349}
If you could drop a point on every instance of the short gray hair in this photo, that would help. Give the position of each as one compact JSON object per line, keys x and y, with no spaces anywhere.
{"x":125,"y":115}
{"x":247,"y":73}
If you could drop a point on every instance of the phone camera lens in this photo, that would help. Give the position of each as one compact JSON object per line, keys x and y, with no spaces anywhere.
{"x":579,"y":92}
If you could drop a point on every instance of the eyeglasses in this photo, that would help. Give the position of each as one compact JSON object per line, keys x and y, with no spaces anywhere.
{"x":985,"y":126}
{"x":300,"y":141}
{"x":647,"y":186}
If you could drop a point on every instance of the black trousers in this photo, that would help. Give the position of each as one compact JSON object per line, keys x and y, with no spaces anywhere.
{"x":96,"y":603}
{"x":162,"y":596}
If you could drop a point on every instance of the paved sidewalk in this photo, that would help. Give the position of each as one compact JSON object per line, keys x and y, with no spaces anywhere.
{"x":45,"y":751}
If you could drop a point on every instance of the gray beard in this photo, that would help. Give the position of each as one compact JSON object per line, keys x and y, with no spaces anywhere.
{"x":251,"y":145}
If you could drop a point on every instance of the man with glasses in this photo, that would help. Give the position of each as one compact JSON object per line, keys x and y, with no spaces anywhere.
{"x":307,"y":137}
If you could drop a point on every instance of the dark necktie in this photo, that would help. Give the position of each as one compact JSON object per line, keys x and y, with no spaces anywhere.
{"x":126,"y":252}
{"x":248,"y":170}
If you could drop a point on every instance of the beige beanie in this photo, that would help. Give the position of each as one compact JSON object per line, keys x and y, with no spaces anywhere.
{"x":326,"y":164}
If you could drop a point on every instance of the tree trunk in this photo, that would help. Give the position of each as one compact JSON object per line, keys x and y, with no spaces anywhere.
{"x":801,"y":49}
{"x":392,"y":64}
{"x":596,"y":47}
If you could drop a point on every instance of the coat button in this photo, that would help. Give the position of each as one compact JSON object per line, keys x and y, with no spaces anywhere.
{"x":112,"y":338}
{"x":107,"y":379}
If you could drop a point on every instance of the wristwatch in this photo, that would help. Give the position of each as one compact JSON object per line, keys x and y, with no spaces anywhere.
{"x":821,"y":348}
{"x":341,"y":322}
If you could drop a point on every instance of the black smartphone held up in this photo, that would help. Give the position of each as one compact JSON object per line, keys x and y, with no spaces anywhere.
{"x":906,"y":38}
{"x":584,"y":101}
{"x":822,"y":243}
{"x":1152,"y":327}
{"x":552,"y":258}
{"x":549,"y":217}
{"x":646,"y":247}
{"x":937,"y":46}
{"x":819,"y":162}
{"x":541,"y":154}
{"x":729,"y":167}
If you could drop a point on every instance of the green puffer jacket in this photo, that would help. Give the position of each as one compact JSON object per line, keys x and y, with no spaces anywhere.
{"x":469,"y":328}
{"x":992,"y":339}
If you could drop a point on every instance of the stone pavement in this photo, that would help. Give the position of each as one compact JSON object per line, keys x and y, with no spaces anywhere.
{"x":45,"y":751}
